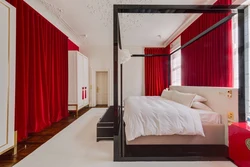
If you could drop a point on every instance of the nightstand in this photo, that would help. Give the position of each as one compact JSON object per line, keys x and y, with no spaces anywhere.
{"x":239,"y":144}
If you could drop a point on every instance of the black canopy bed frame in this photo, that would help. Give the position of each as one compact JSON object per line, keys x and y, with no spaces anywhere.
{"x":123,"y":152}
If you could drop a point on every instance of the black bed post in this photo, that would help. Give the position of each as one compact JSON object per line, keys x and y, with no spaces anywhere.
{"x":242,"y":70}
{"x":121,"y":65}
{"x":169,"y":70}
{"x":121,"y":78}
{"x":115,"y":70}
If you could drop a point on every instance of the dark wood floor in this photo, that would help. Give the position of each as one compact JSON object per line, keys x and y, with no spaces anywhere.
{"x":36,"y":140}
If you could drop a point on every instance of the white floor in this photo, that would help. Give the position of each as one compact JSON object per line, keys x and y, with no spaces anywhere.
{"x":76,"y":146}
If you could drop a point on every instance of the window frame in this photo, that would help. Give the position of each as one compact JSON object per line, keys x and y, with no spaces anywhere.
{"x":175,"y":64}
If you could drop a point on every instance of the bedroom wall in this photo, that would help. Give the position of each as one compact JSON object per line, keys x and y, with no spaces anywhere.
{"x":134,"y":74}
{"x":101,"y":57}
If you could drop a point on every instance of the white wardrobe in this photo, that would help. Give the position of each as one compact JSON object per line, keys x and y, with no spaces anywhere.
{"x":7,"y":75}
{"x":78,"y":81}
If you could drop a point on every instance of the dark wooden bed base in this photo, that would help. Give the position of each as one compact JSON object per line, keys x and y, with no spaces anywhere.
{"x":123,"y":152}
{"x":208,"y":151}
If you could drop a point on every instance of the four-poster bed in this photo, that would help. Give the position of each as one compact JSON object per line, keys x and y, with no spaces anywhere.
{"x":123,"y":151}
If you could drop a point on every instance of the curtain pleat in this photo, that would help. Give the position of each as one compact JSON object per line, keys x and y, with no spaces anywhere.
{"x":156,"y":71}
{"x":41,"y":72}
{"x":208,"y":61}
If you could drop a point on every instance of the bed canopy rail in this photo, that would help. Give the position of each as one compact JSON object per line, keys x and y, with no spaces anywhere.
{"x":224,"y":20}
{"x":119,"y":140}
{"x":129,"y":8}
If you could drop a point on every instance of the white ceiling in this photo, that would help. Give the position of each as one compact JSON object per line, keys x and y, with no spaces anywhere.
{"x":94,"y":18}
{"x":151,"y":30}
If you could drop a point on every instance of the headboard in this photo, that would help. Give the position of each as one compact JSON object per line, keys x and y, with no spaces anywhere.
{"x":221,"y":99}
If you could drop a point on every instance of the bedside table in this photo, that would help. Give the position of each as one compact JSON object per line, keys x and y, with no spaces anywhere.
{"x":239,"y":144}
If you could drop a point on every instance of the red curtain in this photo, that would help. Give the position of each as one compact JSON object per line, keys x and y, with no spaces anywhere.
{"x":72,"y":45}
{"x":41,"y":72}
{"x":156,"y":71}
{"x":208,"y":61}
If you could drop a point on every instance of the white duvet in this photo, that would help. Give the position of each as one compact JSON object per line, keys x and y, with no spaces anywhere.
{"x":154,"y":115}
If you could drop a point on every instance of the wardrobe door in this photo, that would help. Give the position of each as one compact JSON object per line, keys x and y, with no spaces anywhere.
{"x":86,"y":80}
{"x":86,"y":74}
{"x":7,"y":75}
{"x":72,"y":85}
{"x":80,"y":80}
{"x":83,"y":81}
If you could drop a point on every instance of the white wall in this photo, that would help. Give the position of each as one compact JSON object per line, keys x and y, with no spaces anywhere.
{"x":40,"y":8}
{"x":133,"y":74}
{"x":101,"y":57}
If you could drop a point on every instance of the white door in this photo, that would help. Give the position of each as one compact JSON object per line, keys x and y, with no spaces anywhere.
{"x":102,"y":88}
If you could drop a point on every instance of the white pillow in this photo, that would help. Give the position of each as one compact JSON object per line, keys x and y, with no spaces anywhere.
{"x":200,"y":98}
{"x":202,"y":106}
{"x":183,"y":98}
{"x":167,"y":94}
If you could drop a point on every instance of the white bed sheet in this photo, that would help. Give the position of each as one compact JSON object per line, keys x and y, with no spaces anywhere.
{"x":209,"y":117}
{"x":153,"y":115}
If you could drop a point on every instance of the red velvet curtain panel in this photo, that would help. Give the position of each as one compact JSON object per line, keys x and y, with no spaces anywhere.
{"x":156,"y":78}
{"x":208,"y":61}
{"x":72,"y":45}
{"x":41,"y":72}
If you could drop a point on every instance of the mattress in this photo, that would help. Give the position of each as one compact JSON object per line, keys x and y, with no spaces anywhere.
{"x":209,"y":117}
{"x":214,"y":135}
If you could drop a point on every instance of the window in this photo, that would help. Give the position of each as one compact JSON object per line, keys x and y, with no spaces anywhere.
{"x":176,"y":62}
{"x":235,"y":51}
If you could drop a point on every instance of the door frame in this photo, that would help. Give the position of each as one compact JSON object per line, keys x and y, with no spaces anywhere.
{"x":93,"y":85}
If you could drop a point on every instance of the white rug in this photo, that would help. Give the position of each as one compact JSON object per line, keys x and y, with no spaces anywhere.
{"x":76,"y":146}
